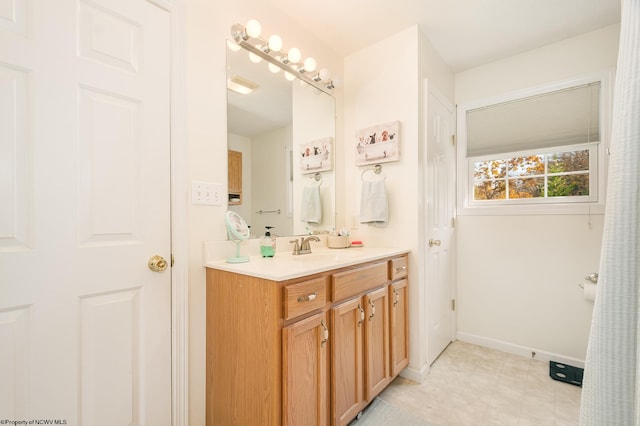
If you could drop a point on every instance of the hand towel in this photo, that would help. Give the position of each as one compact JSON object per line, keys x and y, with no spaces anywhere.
{"x":311,"y":210}
{"x":374,"y":206}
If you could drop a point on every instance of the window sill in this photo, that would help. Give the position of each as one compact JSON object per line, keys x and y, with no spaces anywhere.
{"x":533,"y":210}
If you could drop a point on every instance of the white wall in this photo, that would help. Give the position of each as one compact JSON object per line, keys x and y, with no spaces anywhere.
{"x":383,"y":83}
{"x":518,"y":276}
{"x":432,"y":67}
{"x":268,"y":180}
{"x":579,"y":55}
{"x":208,"y":23}
{"x":313,"y":119}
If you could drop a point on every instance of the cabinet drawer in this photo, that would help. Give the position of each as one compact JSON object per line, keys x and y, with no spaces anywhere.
{"x":351,"y":283}
{"x":304,"y":297}
{"x":398,"y":268}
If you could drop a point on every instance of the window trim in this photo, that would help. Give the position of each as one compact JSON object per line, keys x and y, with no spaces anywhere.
{"x":555,"y":205}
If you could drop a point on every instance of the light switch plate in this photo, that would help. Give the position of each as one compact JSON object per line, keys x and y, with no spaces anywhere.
{"x":206,"y":193}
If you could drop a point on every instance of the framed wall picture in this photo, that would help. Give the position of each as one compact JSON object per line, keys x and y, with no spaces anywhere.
{"x":316,"y":156}
{"x":378,"y":144}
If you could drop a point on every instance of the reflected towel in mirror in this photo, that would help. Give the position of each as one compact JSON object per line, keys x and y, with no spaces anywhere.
{"x":311,"y":209}
{"x":374,"y":206}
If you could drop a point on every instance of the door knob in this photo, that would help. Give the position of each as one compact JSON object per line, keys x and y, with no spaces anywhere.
{"x":434,"y":242}
{"x":157,"y":263}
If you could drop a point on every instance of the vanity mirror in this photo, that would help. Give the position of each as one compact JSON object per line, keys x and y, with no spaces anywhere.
{"x":283,"y":131}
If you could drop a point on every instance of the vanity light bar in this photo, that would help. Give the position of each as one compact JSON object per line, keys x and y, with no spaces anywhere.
{"x":253,"y":45}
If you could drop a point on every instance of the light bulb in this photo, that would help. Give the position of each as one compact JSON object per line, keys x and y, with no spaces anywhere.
{"x":254,"y":58}
{"x":294,"y":55}
{"x":309,"y":64}
{"x":254,"y":29}
{"x":289,"y":76}
{"x":324,"y":74}
{"x":273,"y":68}
{"x":264,"y":48}
{"x":233,"y":46}
{"x":275,"y":42}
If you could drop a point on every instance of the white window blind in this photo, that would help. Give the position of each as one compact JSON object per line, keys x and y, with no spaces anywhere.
{"x":563,"y":117}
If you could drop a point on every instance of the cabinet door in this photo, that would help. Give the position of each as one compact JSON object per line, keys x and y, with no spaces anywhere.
{"x":399,"y":321}
{"x":376,"y":362}
{"x":347,"y":323}
{"x":305,"y":371}
{"x":234,"y":171}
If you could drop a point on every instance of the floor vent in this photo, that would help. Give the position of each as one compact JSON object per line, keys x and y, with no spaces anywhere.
{"x":566,"y":373}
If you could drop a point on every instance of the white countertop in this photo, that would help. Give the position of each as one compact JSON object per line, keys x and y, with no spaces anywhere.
{"x":284,"y":266}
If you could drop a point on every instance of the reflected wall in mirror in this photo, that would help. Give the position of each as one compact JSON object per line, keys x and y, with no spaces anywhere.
{"x":271,"y":127}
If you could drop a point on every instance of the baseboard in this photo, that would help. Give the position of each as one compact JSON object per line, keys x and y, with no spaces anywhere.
{"x":415,"y":375}
{"x":524,"y":351}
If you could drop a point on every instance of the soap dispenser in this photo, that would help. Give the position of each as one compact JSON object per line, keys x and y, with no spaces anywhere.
{"x":268,"y":243}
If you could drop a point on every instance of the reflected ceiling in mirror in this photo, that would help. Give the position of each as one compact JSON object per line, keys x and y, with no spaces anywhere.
{"x":267,"y":107}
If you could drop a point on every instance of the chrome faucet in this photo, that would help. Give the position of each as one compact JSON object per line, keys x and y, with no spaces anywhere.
{"x":305,"y":247}
{"x":296,"y":247}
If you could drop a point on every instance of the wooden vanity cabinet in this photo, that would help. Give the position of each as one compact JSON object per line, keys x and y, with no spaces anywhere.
{"x":360,"y":367}
{"x":398,"y":326}
{"x":398,"y":314}
{"x":308,"y":351}
{"x":244,"y":350}
{"x":347,"y":371}
{"x":305,"y":372}
{"x":376,"y":343}
{"x":305,"y":352}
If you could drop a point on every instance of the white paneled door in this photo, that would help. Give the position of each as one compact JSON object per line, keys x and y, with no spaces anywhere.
{"x":440,"y":186}
{"x":85,"y":324}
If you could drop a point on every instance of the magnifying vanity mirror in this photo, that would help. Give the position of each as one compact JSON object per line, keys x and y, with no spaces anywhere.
{"x":281,"y":142}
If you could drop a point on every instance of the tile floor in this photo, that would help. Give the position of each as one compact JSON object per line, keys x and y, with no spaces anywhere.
{"x":471,"y":385}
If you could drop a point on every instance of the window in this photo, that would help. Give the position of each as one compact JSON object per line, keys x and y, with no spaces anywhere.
{"x":539,"y":149}
{"x":556,"y":174}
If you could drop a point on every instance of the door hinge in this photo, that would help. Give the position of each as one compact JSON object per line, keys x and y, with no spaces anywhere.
{"x":453,"y":140}
{"x":453,"y":222}
{"x":453,"y":304}
{"x":173,"y":260}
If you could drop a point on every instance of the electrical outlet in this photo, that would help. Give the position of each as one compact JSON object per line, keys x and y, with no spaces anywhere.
{"x":206,"y":193}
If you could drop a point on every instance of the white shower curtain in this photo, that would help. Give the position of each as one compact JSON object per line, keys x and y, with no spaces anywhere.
{"x":611,"y":391}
